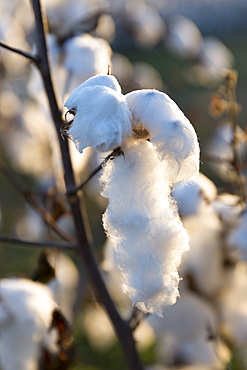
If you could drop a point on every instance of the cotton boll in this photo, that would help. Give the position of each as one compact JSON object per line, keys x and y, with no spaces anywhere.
{"x":106,"y":27}
{"x":170,"y":131}
{"x":102,"y":118}
{"x":147,"y":24}
{"x":143,"y":226}
{"x":182,"y":334}
{"x":26,"y":310}
{"x":191,"y":196}
{"x":183,"y":37}
{"x":213,"y":57}
{"x":86,"y":56}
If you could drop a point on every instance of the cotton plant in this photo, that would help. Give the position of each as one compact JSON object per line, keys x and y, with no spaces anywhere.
{"x":26,"y":312}
{"x":158,"y":148}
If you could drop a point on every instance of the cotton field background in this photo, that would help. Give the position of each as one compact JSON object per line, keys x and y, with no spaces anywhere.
{"x":153,"y":98}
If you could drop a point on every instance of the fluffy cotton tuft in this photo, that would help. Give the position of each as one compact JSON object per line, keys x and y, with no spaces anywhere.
{"x":98,"y":80}
{"x":102,"y":119}
{"x":26,"y":310}
{"x":170,"y":131}
{"x":191,"y":196}
{"x":142,"y":223}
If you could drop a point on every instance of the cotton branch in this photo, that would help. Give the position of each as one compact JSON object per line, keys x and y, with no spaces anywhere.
{"x":115,"y":153}
{"x":82,"y":228}
{"x":32,"y":243}
{"x":25,"y":54}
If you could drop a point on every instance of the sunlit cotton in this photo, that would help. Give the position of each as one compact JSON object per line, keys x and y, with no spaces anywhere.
{"x":170,"y":131}
{"x":102,"y":119}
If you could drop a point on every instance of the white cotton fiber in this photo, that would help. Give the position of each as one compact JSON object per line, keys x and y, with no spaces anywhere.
{"x":26,"y":311}
{"x":142,"y":223}
{"x":102,"y":119}
{"x":98,"y":80}
{"x":170,"y":131}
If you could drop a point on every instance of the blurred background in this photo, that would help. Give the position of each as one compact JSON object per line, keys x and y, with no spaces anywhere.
{"x":182,"y":48}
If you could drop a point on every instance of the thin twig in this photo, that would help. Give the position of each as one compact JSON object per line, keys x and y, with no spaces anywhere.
{"x":30,"y":199}
{"x":33,"y":243}
{"x":136,"y":318}
{"x":115,"y":153}
{"x":122,"y":328}
{"x":33,"y":58}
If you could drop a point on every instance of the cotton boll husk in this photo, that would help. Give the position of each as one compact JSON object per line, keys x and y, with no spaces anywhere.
{"x":26,"y":310}
{"x":144,"y":227}
{"x":203,"y":264}
{"x":170,"y":131}
{"x":190,"y":196}
{"x":102,"y":118}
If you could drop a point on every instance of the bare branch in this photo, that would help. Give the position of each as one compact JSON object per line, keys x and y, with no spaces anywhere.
{"x":137,"y":316}
{"x":25,"y":54}
{"x":30,"y":199}
{"x":32,"y":243}
{"x":115,"y":153}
